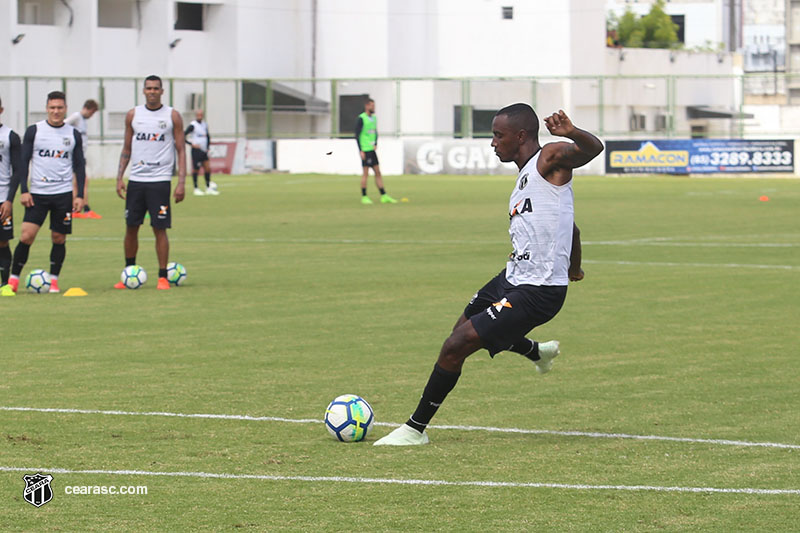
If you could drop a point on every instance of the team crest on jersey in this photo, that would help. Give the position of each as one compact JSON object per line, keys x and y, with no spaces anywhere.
{"x":2,"y":145}
{"x":67,"y":141}
{"x":162,"y":124}
{"x":523,"y":181}
{"x":37,"y":491}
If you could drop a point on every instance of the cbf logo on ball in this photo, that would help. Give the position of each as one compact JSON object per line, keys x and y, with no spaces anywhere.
{"x":37,"y":490}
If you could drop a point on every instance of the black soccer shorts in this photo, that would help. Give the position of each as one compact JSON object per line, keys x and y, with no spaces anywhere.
{"x":503,"y":313}
{"x":148,"y":197}
{"x":370,"y":159}
{"x":58,"y":206}
{"x":7,"y":228}
{"x":198,"y":158}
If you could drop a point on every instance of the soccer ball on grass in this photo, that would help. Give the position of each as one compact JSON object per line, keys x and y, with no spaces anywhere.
{"x":38,"y":281}
{"x":176,"y":273}
{"x":349,"y":418}
{"x":133,"y":276}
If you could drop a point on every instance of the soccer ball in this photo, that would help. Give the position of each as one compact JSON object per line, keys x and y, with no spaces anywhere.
{"x":176,"y":273}
{"x":38,"y":281}
{"x":133,"y":276}
{"x":348,"y":418}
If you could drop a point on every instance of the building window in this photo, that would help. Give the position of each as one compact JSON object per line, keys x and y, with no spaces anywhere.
{"x":36,"y":12}
{"x":680,"y":21}
{"x":508,"y":12}
{"x":115,"y":13}
{"x":189,"y":16}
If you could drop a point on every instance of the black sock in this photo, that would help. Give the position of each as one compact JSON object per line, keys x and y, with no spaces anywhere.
{"x":86,"y":208}
{"x":194,"y":179}
{"x":57,"y":254}
{"x":526,"y":347}
{"x":130,"y":261}
{"x":383,"y":191}
{"x":439,"y":386}
{"x":208,"y":179}
{"x":20,"y":258}
{"x":162,"y":272}
{"x":5,"y":263}
{"x":363,"y":191}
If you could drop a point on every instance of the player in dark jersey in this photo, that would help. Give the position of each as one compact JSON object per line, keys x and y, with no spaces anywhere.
{"x":531,"y":289}
{"x":10,"y":153}
{"x":53,"y":150}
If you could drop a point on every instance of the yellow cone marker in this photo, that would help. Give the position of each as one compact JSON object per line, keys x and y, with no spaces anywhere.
{"x":75,"y":291}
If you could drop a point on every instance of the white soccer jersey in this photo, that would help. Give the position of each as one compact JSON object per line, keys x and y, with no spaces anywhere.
{"x":77,"y":121}
{"x":153,"y":146}
{"x":542,"y":216}
{"x":52,"y":157}
{"x":5,"y":161}
{"x":200,"y":134}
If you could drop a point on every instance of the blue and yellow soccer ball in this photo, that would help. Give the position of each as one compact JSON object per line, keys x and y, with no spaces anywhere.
{"x":349,"y":418}
{"x":38,"y":281}
{"x":133,"y":276}
{"x":176,"y":273}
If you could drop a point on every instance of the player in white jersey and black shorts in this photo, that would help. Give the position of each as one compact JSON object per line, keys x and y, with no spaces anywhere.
{"x":53,"y":150}
{"x":153,"y":138}
{"x":546,"y":256}
{"x":79,"y":121}
{"x":198,"y":137}
{"x":10,"y":154}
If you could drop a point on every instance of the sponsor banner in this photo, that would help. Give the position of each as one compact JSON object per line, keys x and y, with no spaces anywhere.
{"x":458,"y":156}
{"x":701,"y":156}
{"x":220,"y":157}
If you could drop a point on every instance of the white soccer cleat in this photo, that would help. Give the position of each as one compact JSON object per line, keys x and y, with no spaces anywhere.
{"x":198,"y":192}
{"x":547,"y":352}
{"x":212,"y":191}
{"x":403,"y":436}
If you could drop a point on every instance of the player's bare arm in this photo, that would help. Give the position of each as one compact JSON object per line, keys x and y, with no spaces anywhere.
{"x":125,"y":155}
{"x":559,"y":158}
{"x":575,"y":271}
{"x":180,"y":148}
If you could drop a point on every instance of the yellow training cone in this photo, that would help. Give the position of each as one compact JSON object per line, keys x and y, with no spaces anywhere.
{"x":75,"y":291}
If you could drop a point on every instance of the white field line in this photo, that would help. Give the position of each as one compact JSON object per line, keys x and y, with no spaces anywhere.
{"x":656,"y":241}
{"x":490,"y":429}
{"x":692,"y":265}
{"x":395,"y":481}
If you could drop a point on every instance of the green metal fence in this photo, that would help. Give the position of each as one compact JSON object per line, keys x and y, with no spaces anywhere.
{"x":613,"y":106}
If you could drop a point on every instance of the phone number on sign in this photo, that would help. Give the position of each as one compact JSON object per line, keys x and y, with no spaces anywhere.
{"x":742,"y":158}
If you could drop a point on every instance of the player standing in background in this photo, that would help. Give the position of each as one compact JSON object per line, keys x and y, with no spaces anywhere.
{"x":367,"y":139}
{"x":546,"y":256}
{"x":200,"y":140}
{"x":10,"y":153}
{"x":78,"y":120}
{"x":153,"y":135}
{"x":54,"y":150}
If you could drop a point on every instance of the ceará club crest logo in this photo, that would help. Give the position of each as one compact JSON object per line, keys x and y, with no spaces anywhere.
{"x":37,"y":491}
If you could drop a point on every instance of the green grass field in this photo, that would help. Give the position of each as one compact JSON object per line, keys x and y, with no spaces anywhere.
{"x":686,"y":326}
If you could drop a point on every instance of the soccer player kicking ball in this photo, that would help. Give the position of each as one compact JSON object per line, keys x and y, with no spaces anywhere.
{"x":533,"y":286}
{"x":153,"y":136}
{"x":53,"y":150}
